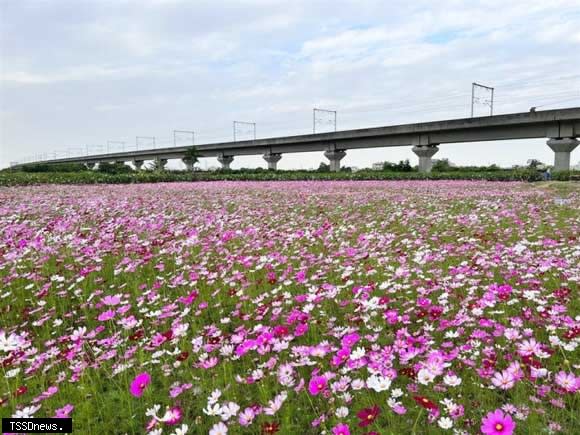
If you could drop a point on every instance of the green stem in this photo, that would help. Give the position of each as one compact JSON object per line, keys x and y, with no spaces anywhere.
{"x":417,"y":421}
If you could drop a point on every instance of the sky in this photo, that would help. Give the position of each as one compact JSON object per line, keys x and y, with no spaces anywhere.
{"x":79,"y":75}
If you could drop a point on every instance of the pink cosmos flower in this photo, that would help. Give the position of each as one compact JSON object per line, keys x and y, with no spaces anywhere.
{"x":301,"y":329}
{"x":301,"y":276}
{"x":568,"y":381}
{"x":504,"y":380}
{"x":111,"y":300}
{"x":341,"y":429}
{"x":317,"y":384}
{"x":172,"y":416}
{"x":246,"y":416}
{"x":349,"y":340}
{"x":139,"y":384}
{"x":497,"y":423}
{"x":178,"y":389}
{"x":399,"y":409}
{"x":528,"y":347}
{"x":106,"y":315}
{"x":64,"y":412}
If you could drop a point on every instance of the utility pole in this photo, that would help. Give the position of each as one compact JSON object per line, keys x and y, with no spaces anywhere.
{"x":317,"y":119}
{"x":175,"y":132}
{"x":114,"y":142}
{"x":151,"y":138}
{"x":241,"y":123}
{"x":485,"y":102}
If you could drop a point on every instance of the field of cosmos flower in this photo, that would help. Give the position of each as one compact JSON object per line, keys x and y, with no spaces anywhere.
{"x":292,"y":307}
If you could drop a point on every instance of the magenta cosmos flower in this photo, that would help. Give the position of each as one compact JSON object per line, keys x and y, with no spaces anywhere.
{"x":139,"y":384}
{"x":368,"y":415}
{"x":341,"y":429}
{"x":317,"y":384}
{"x":497,"y":423}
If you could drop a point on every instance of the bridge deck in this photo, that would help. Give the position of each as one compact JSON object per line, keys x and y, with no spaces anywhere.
{"x":526,"y":125}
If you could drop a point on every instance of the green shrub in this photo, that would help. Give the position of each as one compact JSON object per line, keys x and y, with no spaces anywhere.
{"x":11,"y":178}
{"x":59,"y":167}
{"x":114,"y":168}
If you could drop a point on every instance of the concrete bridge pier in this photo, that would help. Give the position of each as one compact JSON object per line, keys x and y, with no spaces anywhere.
{"x":562,"y":148}
{"x":138,"y":164}
{"x":225,"y":161}
{"x":272,"y":159}
{"x":335,"y":156}
{"x":425,"y":152}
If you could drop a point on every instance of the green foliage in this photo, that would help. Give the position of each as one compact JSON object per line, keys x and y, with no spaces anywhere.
{"x":442,"y":165}
{"x":114,"y":168}
{"x":533,"y":164}
{"x":156,"y":166}
{"x":323,"y":167}
{"x":8,"y":178}
{"x":59,"y":167}
{"x":191,"y":156}
{"x":402,"y":166}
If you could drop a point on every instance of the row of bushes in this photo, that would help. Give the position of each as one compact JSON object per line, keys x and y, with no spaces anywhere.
{"x":106,"y":168}
{"x":8,"y":178}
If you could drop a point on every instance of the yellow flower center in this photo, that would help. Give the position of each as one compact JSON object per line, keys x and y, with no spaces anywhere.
{"x":498,"y":426}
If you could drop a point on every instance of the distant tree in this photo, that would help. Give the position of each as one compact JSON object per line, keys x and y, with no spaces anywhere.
{"x":155,"y":165}
{"x":323,"y":167}
{"x":114,"y":168}
{"x":442,"y":165}
{"x":404,"y":166}
{"x":53,"y":167}
{"x":190,"y":158}
{"x":534,"y":163}
{"x":389,"y":166}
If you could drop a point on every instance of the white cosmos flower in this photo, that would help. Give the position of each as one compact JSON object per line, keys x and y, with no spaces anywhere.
{"x":12,"y":373}
{"x":445,"y":423}
{"x":26,"y":412}
{"x":218,"y":429}
{"x":212,"y":409}
{"x":8,"y":343}
{"x":275,"y":404}
{"x":226,"y":350}
{"x":152,"y":412}
{"x":214,"y":396}
{"x":378,"y":383}
{"x":341,"y":412}
{"x":452,"y":380}
{"x":538,"y":373}
{"x":358,"y":353}
{"x":397,"y":392}
{"x":229,"y":410}
{"x":181,"y":430}
{"x":425,"y":377}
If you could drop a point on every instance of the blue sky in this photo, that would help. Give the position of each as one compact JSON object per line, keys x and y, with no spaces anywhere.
{"x":79,"y":73}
